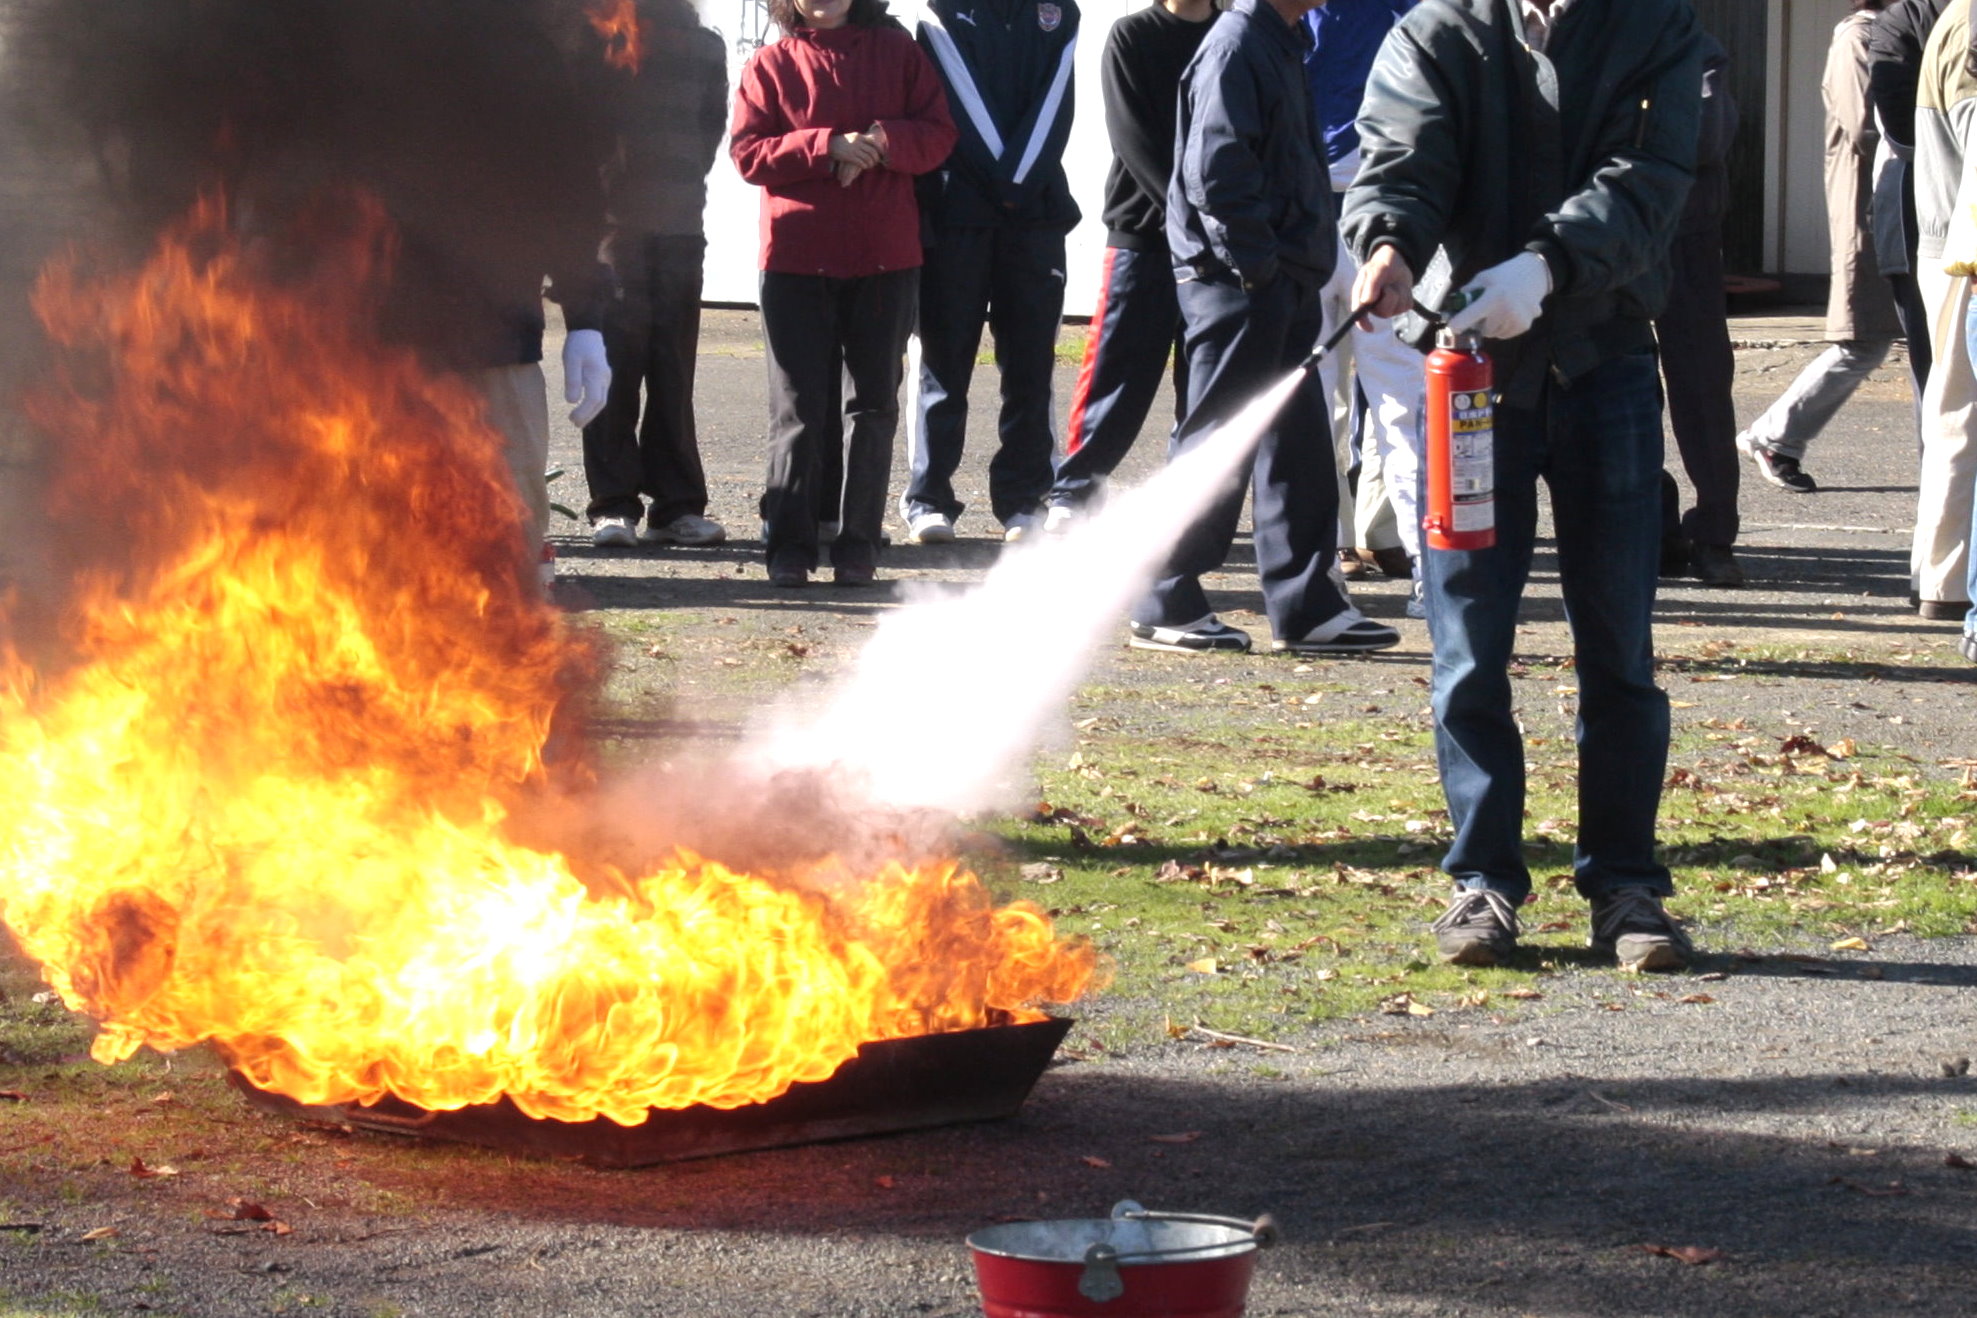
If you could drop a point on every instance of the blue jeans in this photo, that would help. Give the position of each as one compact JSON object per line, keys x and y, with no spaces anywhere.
{"x":1597,"y":444}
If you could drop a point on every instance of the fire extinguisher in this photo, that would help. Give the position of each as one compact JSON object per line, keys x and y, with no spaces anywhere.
{"x":1461,"y":477}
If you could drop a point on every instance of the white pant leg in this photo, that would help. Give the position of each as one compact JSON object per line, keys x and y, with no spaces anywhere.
{"x":1335,"y":378}
{"x":1394,"y":377}
{"x":1939,"y":559}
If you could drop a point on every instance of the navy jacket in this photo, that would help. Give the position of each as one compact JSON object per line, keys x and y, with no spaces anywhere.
{"x":1249,"y":193}
{"x":1006,"y":68}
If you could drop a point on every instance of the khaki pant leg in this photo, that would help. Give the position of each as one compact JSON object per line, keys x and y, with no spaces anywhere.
{"x":517,"y":406}
{"x":1937,"y":563}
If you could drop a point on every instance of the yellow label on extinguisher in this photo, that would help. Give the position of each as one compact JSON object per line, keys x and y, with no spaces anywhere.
{"x":1472,"y":461}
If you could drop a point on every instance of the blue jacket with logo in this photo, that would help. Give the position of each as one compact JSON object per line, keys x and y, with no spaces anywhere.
{"x":1006,"y":68}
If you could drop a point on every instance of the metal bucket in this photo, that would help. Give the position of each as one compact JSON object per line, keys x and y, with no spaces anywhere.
{"x":1134,"y":1264}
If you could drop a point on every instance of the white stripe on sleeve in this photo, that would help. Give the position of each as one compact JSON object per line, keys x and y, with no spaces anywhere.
{"x":1047,"y":117}
{"x":963,"y":82}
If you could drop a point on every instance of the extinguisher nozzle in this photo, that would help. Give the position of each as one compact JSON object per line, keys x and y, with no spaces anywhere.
{"x":1323,"y":350}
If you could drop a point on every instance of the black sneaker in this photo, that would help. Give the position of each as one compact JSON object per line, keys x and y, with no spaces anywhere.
{"x":1346,"y":632}
{"x":1479,"y":928}
{"x":1780,"y":470}
{"x":1715,"y":565}
{"x":1631,"y":924}
{"x":1208,"y":634}
{"x":788,"y":570}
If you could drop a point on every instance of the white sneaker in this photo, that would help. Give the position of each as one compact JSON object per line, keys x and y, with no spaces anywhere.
{"x":1061,"y":518}
{"x":613,"y":533}
{"x":930,"y":529}
{"x":1020,"y":527}
{"x":686,"y":529}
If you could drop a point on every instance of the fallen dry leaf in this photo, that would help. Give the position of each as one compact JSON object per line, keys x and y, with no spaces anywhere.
{"x":1205,"y":966}
{"x":1698,"y":998}
{"x":1888,"y":1191}
{"x":100,"y":1233}
{"x":1190,"y":1136}
{"x":1693,"y":1255}
{"x":241,"y":1210}
{"x":12,"y":1096}
{"x":1959,"y":1162}
{"x":883,"y":1182}
{"x":1523,"y":994}
{"x":165,"y":1098}
{"x":1851,"y":945}
{"x":139,"y":1170}
{"x":1092,"y":1160}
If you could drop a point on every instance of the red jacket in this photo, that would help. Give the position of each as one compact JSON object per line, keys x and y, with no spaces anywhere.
{"x":799,"y":92}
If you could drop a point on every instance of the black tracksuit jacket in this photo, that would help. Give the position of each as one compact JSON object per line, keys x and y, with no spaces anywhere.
{"x":1006,"y":68}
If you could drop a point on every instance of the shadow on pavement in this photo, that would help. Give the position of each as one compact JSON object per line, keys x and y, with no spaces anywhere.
{"x":1529,"y":1197}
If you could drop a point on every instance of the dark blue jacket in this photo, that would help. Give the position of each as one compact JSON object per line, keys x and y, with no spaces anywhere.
{"x":1345,"y":36}
{"x":1249,"y":193}
{"x":1006,"y":68}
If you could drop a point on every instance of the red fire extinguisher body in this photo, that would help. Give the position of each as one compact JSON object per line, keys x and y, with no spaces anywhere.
{"x":1461,"y":478}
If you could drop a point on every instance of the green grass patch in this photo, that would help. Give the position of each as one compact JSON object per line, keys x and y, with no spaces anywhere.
{"x":1254,"y":856}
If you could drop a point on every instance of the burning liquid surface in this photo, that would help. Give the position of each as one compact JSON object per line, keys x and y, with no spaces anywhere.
{"x":265,"y":802}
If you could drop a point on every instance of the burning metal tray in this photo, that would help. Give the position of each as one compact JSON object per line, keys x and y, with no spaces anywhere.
{"x":890,"y":1086}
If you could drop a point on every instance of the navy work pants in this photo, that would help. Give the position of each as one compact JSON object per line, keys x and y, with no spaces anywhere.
{"x":1135,"y":329}
{"x":1597,"y":445}
{"x":1239,"y":344}
{"x":1011,"y":278}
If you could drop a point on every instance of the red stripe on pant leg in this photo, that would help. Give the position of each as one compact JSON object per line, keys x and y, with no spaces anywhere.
{"x":1074,"y":436}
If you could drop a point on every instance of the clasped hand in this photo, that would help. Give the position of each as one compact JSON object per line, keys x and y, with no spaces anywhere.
{"x":854,"y":153}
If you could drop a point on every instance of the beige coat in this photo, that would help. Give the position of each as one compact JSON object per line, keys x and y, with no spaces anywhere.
{"x":1860,"y":305}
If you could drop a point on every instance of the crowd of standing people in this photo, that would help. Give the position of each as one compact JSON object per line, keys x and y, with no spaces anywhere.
{"x":1554,"y":172}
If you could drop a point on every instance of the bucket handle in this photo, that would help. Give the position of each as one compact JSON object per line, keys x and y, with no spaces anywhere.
{"x":1263,"y":1229}
{"x":1100,"y":1281}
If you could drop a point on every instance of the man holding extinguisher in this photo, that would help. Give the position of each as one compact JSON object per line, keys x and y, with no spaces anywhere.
{"x":1534,"y":156}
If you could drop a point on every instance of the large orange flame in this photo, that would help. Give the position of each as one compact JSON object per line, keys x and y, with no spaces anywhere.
{"x":616,"y":22}
{"x":263,"y":801}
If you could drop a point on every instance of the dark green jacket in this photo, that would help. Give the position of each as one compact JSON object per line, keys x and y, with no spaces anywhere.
{"x":1476,"y":147}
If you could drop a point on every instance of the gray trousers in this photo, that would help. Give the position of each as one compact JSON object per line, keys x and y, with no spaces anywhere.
{"x":1820,"y":391}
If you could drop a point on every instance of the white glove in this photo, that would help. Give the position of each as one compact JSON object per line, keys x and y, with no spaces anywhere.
{"x":586,"y":375}
{"x":1505,"y":299}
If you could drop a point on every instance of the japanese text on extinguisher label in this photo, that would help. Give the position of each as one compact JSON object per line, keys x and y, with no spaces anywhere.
{"x":1472,"y":462}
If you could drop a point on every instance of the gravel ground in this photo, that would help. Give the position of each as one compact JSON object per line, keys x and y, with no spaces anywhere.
{"x":1514,"y":1158}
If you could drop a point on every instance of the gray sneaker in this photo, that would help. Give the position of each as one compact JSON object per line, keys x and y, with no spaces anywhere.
{"x":1479,"y":928}
{"x":1630,"y":923}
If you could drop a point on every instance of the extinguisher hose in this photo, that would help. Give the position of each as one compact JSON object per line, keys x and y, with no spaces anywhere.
{"x":1324,"y":349}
